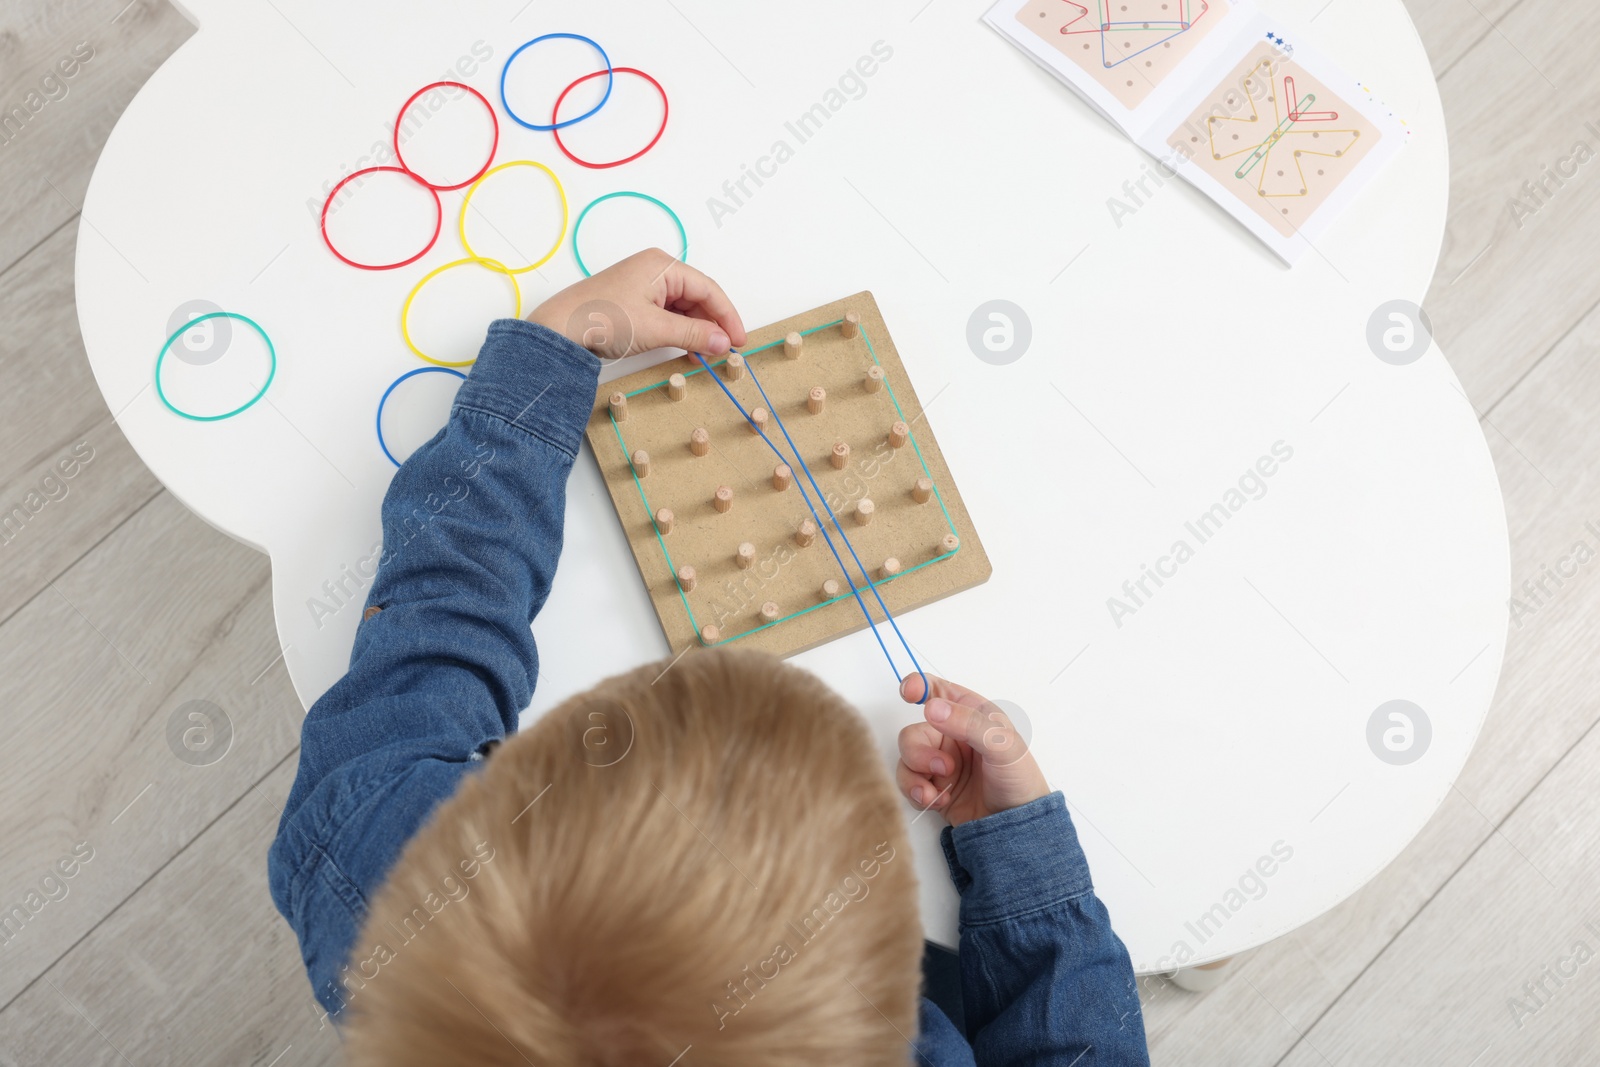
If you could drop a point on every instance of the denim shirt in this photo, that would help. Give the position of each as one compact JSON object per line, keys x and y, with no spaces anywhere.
{"x":444,"y":662}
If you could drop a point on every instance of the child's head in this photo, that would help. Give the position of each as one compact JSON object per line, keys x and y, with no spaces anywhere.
{"x":713,"y":857}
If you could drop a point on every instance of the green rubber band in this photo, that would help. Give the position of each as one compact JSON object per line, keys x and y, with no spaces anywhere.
{"x":672,"y":572}
{"x":271,"y":372}
{"x":683,"y":235}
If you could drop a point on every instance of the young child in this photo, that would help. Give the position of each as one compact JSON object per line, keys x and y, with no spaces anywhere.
{"x":696,"y":863}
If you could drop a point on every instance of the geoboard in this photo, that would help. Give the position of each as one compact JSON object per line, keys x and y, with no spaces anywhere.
{"x":739,"y":559}
{"x":1222,"y":96}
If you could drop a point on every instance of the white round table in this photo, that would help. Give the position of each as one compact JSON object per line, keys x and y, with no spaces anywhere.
{"x":1213,"y":743}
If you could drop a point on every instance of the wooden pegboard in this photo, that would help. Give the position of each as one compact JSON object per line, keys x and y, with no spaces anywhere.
{"x":784,"y":573}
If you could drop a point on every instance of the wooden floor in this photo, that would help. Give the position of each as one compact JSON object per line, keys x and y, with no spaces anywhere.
{"x":117,"y":607}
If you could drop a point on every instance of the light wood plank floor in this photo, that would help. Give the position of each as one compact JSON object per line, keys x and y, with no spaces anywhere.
{"x":118,"y":608}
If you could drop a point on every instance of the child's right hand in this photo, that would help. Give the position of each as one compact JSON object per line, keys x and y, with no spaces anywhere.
{"x":967,"y":760}
{"x":649,"y":300}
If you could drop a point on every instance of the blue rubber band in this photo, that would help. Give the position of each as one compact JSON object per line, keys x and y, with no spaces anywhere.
{"x":272,"y":370}
{"x":683,"y":234}
{"x":823,"y":526}
{"x":392,"y":387}
{"x":610,"y":79}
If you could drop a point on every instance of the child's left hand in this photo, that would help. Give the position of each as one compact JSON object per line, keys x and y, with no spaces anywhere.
{"x":966,"y":760}
{"x":649,"y":300}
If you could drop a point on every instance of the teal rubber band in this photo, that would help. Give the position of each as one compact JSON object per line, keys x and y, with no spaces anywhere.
{"x":683,"y":235}
{"x":272,"y":371}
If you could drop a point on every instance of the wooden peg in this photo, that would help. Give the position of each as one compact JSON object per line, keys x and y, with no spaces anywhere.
{"x":899,"y":434}
{"x":782,"y":475}
{"x":793,"y":345}
{"x":619,"y":406}
{"x":922,"y":492}
{"x":864,"y":511}
{"x":769,"y":611}
{"x":890,"y":568}
{"x":710,"y":635}
{"x":723,"y":500}
{"x":830,"y":589}
{"x":948,"y":544}
{"x":758,"y":421}
{"x":745,"y":557}
{"x":677,"y":387}
{"x":700,"y":442}
{"x":816,"y":400}
{"x":733,"y":369}
{"x":840,"y":456}
{"x":874,"y":378}
{"x":641,"y":463}
{"x":664,"y":521}
{"x":686,"y":578}
{"x":806,"y":534}
{"x":851,"y":326}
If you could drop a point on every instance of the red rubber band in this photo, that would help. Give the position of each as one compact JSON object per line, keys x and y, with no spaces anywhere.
{"x":400,"y":119}
{"x":556,"y":111}
{"x":438,"y":219}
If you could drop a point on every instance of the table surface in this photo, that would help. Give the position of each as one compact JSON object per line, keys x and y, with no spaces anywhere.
{"x":1226,"y":720}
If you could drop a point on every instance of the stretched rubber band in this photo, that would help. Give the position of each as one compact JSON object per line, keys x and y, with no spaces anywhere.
{"x":392,"y":386}
{"x":799,"y":461}
{"x":644,"y":499}
{"x":683,"y":234}
{"x":438,"y":218}
{"x":518,"y":119}
{"x":272,"y":369}
{"x":405,"y":309}
{"x":560,"y":191}
{"x":493,"y":147}
{"x":556,"y":111}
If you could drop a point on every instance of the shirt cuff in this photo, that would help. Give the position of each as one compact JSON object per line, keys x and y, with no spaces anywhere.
{"x":1015,"y":862}
{"x":536,"y":380}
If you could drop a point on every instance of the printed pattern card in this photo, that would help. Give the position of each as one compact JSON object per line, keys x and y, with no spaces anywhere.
{"x":1127,"y":57}
{"x":1281,"y":138}
{"x":1261,"y":123}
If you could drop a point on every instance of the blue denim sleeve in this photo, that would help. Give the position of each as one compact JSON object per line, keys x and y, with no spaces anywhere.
{"x":444,"y":660}
{"x":939,"y":1043}
{"x":1044,"y":979}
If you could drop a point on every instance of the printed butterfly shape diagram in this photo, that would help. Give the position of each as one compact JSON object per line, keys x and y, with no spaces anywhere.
{"x":1273,"y":149}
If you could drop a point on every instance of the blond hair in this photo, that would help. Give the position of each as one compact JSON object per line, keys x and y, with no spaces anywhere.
{"x":709,"y":859}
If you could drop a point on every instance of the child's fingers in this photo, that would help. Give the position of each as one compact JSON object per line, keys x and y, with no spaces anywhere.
{"x":685,"y":284}
{"x":911,"y":690}
{"x":660,"y":328}
{"x":986,"y":728}
{"x":916,"y":788}
{"x":920,"y":750}
{"x":695,"y":311}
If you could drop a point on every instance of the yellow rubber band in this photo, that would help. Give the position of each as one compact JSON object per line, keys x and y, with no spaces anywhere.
{"x":560,"y":191}
{"x":405,"y":309}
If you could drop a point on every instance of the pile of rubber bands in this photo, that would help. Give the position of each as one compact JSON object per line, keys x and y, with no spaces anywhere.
{"x":483,"y":174}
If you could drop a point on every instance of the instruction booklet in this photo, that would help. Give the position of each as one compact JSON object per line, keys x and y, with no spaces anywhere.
{"x":1249,"y":114}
